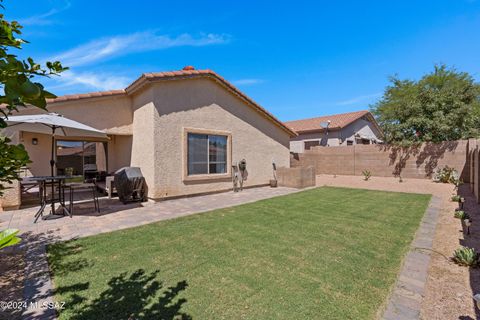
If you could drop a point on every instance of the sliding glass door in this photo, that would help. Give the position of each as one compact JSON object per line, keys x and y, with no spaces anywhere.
{"x":85,"y":158}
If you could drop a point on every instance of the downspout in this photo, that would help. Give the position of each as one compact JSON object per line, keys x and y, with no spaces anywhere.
{"x":354,"y":153}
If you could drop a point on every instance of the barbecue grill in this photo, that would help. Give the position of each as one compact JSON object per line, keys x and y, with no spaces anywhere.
{"x":130,"y":184}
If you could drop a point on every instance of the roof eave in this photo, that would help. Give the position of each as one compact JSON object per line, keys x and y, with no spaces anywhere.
{"x":82,"y":96}
{"x":299,"y":132}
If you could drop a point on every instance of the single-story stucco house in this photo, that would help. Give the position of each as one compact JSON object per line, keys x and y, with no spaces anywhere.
{"x":359,"y":127}
{"x":184,"y":129}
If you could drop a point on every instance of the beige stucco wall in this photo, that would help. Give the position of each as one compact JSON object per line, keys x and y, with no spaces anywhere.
{"x":119,"y":152}
{"x":39,"y":154}
{"x":297,"y":144}
{"x":363,"y":128}
{"x":143,"y":146}
{"x":146,"y":130}
{"x":203,"y":104}
{"x":113,"y":114}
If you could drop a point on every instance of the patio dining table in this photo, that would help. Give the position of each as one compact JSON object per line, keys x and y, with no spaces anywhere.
{"x":57,"y":196}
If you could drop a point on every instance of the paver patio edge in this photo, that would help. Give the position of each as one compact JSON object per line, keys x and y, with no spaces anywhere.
{"x":38,"y":289}
{"x":405,"y":301}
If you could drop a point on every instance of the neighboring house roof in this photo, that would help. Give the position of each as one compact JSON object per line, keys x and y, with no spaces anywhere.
{"x":337,"y":122}
{"x":186,"y":73}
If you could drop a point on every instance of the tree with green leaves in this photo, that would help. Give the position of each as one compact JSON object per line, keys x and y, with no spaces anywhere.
{"x":20,"y":89}
{"x":443,"y":105}
{"x":9,"y":238}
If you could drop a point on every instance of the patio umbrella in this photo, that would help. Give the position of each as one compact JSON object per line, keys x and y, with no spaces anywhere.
{"x":54,"y":124}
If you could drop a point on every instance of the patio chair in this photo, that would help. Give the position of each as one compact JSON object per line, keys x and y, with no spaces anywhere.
{"x":75,"y":186}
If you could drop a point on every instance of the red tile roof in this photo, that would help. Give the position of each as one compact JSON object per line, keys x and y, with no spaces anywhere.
{"x":87,"y":95}
{"x":186,"y":73}
{"x":337,"y":121}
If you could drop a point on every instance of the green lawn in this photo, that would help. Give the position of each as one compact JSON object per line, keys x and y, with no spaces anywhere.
{"x":326,"y":253}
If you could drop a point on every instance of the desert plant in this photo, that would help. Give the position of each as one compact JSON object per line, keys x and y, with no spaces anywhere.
{"x":366,"y":175}
{"x":457,"y":182}
{"x":8,"y":238}
{"x":466,"y":256}
{"x":455,"y":198}
{"x":447,"y":175}
{"x":460,"y":214}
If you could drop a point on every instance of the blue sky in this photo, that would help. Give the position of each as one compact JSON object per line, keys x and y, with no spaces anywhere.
{"x":298,"y":59}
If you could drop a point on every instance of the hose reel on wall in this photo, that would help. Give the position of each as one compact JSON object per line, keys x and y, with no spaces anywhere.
{"x":240,"y":174}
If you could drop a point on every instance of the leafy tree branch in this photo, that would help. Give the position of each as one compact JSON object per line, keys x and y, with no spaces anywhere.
{"x":19,"y":87}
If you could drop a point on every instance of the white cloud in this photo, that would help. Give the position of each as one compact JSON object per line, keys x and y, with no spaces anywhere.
{"x":107,"y":48}
{"x":359,"y":99}
{"x":247,"y":82}
{"x":91,"y":81}
{"x":43,"y":19}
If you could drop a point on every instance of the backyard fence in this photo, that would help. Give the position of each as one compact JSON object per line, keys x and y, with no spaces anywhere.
{"x":386,"y":161}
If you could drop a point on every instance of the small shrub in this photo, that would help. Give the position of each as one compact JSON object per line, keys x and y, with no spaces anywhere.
{"x":460,"y":214}
{"x":456,"y":198}
{"x":457,"y":183}
{"x":366,"y":175}
{"x":465,"y":256}
{"x":447,"y":175}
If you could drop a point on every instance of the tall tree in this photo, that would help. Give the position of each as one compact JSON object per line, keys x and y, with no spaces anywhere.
{"x":19,"y":89}
{"x":443,"y":105}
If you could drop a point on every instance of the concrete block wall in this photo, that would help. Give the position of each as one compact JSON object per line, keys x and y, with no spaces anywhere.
{"x":299,"y":177}
{"x":387,"y":161}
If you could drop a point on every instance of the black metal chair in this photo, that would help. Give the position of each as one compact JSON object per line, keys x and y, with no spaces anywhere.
{"x":72,"y":186}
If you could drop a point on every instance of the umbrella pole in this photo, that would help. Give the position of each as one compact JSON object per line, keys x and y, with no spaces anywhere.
{"x":52,"y":156}
{"x":52,"y":164}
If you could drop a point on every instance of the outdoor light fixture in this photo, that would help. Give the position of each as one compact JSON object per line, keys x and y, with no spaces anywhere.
{"x":34,"y":141}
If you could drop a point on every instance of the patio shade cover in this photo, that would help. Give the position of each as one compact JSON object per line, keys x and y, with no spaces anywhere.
{"x":45,"y":123}
{"x":55,"y":125}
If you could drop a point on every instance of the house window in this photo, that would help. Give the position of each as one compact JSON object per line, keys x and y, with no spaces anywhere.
{"x":310,"y":144}
{"x":363,"y":141}
{"x":349,"y":143}
{"x":207,"y":154}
